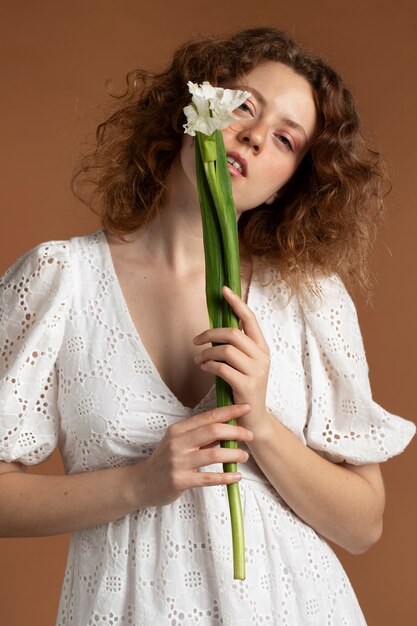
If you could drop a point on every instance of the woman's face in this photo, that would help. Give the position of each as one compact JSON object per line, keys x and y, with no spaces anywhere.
{"x":271,"y":135}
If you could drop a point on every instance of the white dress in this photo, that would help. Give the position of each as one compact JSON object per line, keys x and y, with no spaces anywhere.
{"x":74,"y":373}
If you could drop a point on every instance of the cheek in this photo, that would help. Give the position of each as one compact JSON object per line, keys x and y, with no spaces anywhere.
{"x":273,"y":177}
{"x":279,"y":175}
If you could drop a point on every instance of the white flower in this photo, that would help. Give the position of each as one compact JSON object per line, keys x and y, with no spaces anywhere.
{"x":199,"y":120}
{"x":211,"y":107}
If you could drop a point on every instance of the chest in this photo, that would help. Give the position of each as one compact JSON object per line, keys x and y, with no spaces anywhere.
{"x":168,"y":313}
{"x":111,"y":398}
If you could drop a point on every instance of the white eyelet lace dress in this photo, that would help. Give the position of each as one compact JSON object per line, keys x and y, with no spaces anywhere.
{"x":75,"y":374}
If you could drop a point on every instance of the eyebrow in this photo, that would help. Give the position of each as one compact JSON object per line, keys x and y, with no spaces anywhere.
{"x":287,"y":121}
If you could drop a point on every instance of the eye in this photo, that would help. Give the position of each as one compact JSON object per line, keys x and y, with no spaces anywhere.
{"x":286,"y":142}
{"x":244,"y":105}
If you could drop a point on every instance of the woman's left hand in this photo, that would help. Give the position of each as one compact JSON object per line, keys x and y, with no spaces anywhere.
{"x":242,"y":360}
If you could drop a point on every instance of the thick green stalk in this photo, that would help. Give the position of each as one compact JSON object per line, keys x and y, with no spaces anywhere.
{"x":221,"y":188}
{"x":228,"y":223}
{"x":213,"y":249}
{"x":222,"y":267}
{"x":226,"y":212}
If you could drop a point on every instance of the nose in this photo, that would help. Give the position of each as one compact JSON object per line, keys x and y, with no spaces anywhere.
{"x":254,"y":136}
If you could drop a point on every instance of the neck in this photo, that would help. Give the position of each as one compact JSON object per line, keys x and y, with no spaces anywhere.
{"x":173,"y":241}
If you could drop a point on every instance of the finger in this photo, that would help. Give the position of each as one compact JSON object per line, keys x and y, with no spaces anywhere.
{"x":219,"y":414}
{"x":232,"y":336}
{"x":213,"y":444}
{"x":247,"y":317}
{"x":230,"y":375}
{"x":227,"y":354}
{"x":216,"y":432}
{"x":203,"y":458}
{"x":209,"y":479}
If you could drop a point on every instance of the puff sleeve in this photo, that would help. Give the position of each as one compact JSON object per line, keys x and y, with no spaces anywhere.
{"x":344,"y":423}
{"x":34,"y":301}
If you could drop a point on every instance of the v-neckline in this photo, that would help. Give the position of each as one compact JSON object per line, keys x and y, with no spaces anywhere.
{"x":107,"y":256}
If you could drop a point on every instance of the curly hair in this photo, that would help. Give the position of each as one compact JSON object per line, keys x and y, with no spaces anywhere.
{"x":325,"y":219}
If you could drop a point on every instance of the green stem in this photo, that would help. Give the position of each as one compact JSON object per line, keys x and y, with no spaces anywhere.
{"x":238,"y":535}
{"x":222,"y":267}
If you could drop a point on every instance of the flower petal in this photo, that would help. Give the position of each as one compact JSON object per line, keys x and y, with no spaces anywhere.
{"x":211,"y":107}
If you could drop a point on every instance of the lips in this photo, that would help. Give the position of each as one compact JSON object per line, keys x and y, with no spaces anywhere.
{"x":237,"y":157}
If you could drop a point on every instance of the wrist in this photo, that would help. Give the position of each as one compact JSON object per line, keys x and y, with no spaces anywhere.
{"x":135,"y":485}
{"x":264,"y":429}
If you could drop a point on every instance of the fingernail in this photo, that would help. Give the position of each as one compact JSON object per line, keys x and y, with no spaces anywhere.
{"x":196,"y":339}
{"x":228,"y":290}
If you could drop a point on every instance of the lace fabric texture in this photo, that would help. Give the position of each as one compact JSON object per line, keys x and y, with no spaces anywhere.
{"x":75,"y":373}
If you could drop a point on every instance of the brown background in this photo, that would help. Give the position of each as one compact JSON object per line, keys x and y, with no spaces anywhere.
{"x":55,"y":59}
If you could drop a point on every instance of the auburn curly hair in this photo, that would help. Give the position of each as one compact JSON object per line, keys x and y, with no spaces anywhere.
{"x":325,"y":219}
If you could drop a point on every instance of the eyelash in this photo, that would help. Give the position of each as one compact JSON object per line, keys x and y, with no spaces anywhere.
{"x":284,"y":140}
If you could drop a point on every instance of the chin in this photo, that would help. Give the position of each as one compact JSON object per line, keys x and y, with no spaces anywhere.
{"x":245,"y":209}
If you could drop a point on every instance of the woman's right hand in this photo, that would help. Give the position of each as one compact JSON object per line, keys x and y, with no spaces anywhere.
{"x":190,"y":444}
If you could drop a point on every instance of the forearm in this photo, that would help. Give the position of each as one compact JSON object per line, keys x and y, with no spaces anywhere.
{"x":338,"y":503}
{"x":39,"y":505}
{"x":35,"y":505}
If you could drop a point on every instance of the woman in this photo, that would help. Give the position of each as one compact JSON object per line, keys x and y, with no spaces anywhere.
{"x":107,"y":352}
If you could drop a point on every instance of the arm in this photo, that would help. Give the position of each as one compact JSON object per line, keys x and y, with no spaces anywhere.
{"x":39,"y":505}
{"x":343,"y":503}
